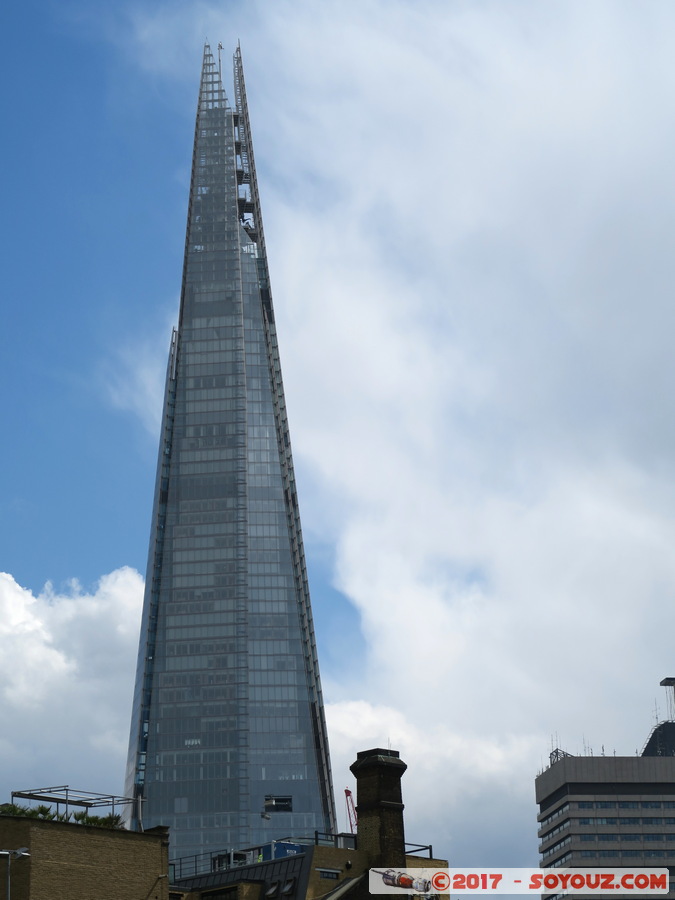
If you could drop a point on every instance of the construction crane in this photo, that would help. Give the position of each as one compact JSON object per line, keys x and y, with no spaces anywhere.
{"x":351,"y":811}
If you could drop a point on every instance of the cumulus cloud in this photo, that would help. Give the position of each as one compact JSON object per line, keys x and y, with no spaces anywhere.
{"x":66,"y":677}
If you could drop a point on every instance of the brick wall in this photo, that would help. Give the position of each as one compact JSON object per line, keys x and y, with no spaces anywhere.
{"x":80,"y":862}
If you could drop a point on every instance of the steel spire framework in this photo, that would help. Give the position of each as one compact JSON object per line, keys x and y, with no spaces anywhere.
{"x":228,"y":741}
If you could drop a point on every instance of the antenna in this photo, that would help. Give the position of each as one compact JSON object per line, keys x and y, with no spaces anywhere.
{"x":220,"y":68}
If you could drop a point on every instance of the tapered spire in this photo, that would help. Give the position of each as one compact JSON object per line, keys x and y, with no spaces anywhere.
{"x":228,"y":744}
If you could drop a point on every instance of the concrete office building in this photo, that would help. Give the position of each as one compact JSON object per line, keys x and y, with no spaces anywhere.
{"x":610,"y":811}
{"x":228,"y":741}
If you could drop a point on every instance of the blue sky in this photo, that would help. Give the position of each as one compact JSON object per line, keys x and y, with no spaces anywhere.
{"x":469,"y":213}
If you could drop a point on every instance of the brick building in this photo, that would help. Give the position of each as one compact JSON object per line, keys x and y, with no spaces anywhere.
{"x":80,"y":862}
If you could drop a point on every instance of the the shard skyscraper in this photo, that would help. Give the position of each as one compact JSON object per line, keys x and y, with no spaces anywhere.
{"x":228,"y":739}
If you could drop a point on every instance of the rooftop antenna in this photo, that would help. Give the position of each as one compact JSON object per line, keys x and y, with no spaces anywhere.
{"x":220,"y":68}
{"x":670,"y":695}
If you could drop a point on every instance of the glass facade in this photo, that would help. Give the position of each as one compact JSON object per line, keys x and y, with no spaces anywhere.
{"x":228,"y":739}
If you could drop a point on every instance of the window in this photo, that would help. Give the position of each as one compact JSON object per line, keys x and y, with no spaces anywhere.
{"x":278,"y":804}
{"x":554,"y":815}
{"x":556,"y":830}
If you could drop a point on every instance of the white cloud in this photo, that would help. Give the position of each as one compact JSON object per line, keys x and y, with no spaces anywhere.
{"x":66,"y":676}
{"x":133,"y":375}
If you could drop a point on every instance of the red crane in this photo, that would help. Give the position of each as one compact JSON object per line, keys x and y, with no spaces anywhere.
{"x":351,"y":811}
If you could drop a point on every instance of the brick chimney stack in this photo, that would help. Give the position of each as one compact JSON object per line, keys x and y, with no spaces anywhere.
{"x":379,"y":806}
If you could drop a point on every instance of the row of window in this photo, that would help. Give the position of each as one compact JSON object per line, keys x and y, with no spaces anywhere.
{"x":198,"y":647}
{"x":628,"y":820}
{"x":554,"y":831}
{"x":201,"y":678}
{"x":214,"y":618}
{"x":626,"y":804}
{"x":192,"y":632}
{"x":623,"y":820}
{"x":612,"y":854}
{"x":216,"y":739}
{"x":206,"y":554}
{"x":178,"y":663}
{"x":554,"y":815}
{"x":265,"y":524}
{"x":627,"y":837}
{"x":196,"y":773}
{"x":189,"y":695}
{"x":206,"y":756}
{"x":624,"y":854}
{"x":557,"y":848}
{"x":222,"y":448}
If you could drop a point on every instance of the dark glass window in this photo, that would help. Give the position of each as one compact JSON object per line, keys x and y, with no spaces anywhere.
{"x":278,"y":804}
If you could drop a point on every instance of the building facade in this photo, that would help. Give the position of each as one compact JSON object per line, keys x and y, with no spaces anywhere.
{"x":228,"y":741}
{"x":610,"y":811}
